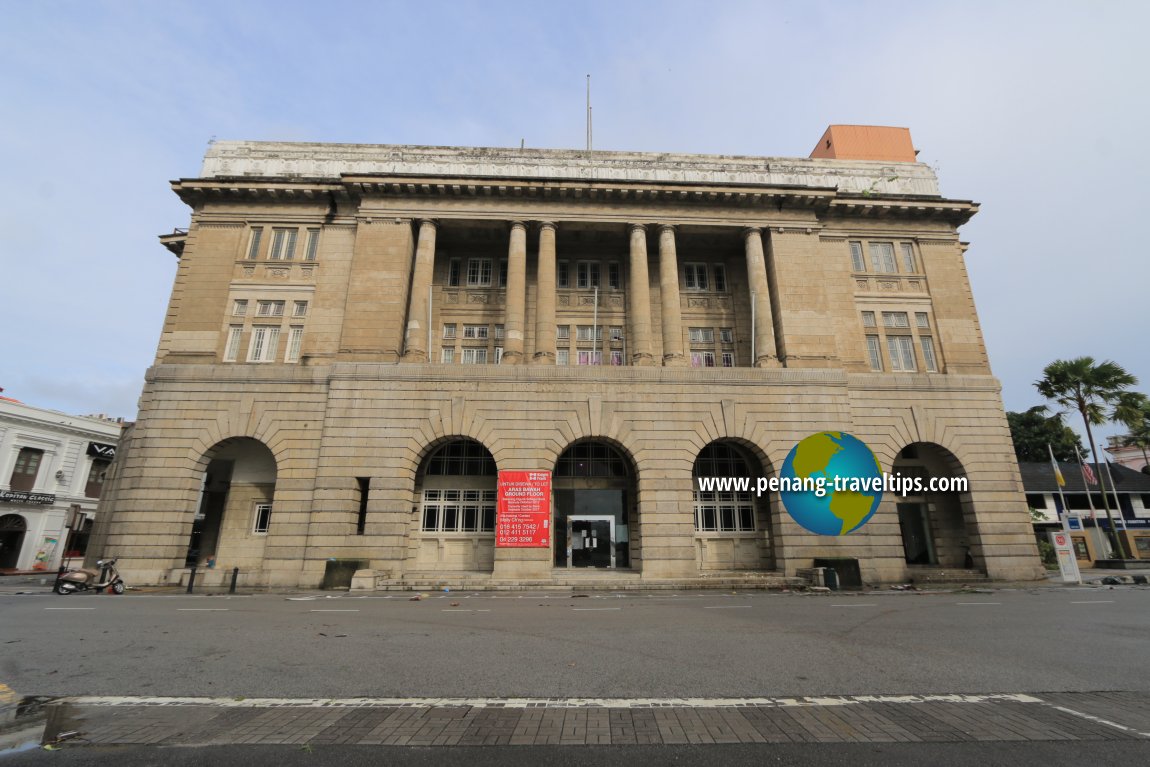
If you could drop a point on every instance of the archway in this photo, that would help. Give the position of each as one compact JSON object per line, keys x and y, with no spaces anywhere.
{"x":594,"y":516}
{"x":732,"y":525}
{"x":13,"y":527}
{"x":234,"y":514}
{"x":937,"y":528}
{"x":456,"y":491}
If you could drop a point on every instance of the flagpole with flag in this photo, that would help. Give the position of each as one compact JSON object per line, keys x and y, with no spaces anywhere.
{"x":1061,"y":484}
{"x":1088,"y":479}
{"x":1114,"y":490}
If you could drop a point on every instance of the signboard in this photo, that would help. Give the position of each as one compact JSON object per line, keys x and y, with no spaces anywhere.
{"x":100,"y":450}
{"x":524,"y":511}
{"x":22,"y":496}
{"x":1074,"y":523}
{"x":1067,"y":563}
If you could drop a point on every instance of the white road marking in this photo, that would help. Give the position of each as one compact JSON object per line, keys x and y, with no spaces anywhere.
{"x":1095,"y":602}
{"x":845,"y":700}
{"x":726,"y":607}
{"x":334,"y":611}
{"x":69,"y":608}
{"x":201,"y":609}
{"x":978,"y":603}
{"x":448,"y":610}
{"x":594,"y":609}
{"x":1100,"y":720}
{"x":869,"y":604}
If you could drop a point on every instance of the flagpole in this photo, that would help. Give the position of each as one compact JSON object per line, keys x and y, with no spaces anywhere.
{"x":1060,"y":481}
{"x":1114,"y":490}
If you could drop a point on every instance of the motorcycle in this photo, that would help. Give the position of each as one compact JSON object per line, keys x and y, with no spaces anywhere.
{"x":82,"y":579}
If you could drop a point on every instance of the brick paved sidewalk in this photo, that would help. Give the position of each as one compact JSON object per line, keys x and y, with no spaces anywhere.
{"x":857,"y":719}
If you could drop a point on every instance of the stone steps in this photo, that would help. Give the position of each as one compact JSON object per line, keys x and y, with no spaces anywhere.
{"x":582,"y":581}
{"x":947,"y":575}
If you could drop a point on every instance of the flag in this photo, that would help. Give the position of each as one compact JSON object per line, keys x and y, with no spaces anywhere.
{"x":1088,"y":474}
{"x":1057,"y":471}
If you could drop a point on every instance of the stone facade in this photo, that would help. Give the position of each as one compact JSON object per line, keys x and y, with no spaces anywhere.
{"x":358,"y":336}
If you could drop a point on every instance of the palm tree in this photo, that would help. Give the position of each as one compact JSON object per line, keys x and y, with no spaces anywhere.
{"x":1133,"y":410}
{"x":1094,"y":390}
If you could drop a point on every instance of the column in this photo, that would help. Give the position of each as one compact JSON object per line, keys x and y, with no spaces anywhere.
{"x":764,"y":350}
{"x":516,"y":303}
{"x":639,"y":309}
{"x":669,"y":287}
{"x":415,"y":341}
{"x":545,"y":297}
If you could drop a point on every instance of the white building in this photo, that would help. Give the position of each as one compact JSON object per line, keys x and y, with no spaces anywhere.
{"x":51,"y":464}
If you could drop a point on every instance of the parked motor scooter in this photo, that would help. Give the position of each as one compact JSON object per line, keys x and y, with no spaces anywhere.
{"x":82,"y":579}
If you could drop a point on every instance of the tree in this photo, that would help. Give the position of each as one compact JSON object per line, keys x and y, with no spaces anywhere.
{"x":1094,"y":390}
{"x":1133,"y":410}
{"x":1033,"y":430}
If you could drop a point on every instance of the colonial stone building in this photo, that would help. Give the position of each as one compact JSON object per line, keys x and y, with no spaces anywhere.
{"x":360,"y":337}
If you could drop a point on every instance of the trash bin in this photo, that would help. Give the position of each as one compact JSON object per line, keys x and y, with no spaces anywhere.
{"x":845,"y":572}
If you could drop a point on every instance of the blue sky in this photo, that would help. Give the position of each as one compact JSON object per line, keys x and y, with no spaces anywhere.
{"x":1035,"y":110}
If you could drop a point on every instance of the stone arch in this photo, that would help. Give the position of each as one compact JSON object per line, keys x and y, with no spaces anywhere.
{"x":595,"y":478}
{"x":13,"y":529}
{"x":453,"y":527}
{"x":938,"y":529}
{"x":733,"y":526}
{"x":234,"y":513}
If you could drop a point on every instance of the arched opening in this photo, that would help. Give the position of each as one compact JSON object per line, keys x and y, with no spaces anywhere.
{"x":594,"y":517}
{"x":456,"y":488}
{"x":234,"y":515}
{"x":732,"y":525}
{"x":937,"y":528}
{"x":13,"y":527}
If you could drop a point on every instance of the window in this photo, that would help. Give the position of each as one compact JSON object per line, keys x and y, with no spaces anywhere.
{"x":590,"y":358}
{"x":588,"y":274}
{"x":720,"y":277}
{"x":503,"y":273}
{"x":453,"y":273}
{"x":447,"y":356}
{"x":562,"y":275}
{"x":908,"y":264}
{"x":921,"y":320}
{"x":449,"y":330}
{"x":901,"y":353}
{"x":857,"y":262}
{"x":728,"y":359}
{"x":295,"y":339}
{"x":695,"y":276}
{"x":299,"y":309}
{"x":1036,"y":500}
{"x":726,"y":335}
{"x":498,"y":354}
{"x":702,"y":359}
{"x":270,"y":309}
{"x":283,"y":244}
{"x":868,"y":319}
{"x":458,"y":511}
{"x":562,"y":332}
{"x":26,"y":468}
{"x":728,"y":512}
{"x":265,"y":340}
{"x":589,"y":333}
{"x":312,"y":245}
{"x":364,"y":485}
{"x":479,"y":272}
{"x":254,"y":243}
{"x":874,"y":352}
{"x":895,"y":320}
{"x":617,"y":358}
{"x":475,"y":331}
{"x":472,"y":356}
{"x":96,"y":475}
{"x":263,"y":518}
{"x":882,"y":257}
{"x":239,"y":307}
{"x":928,"y":360}
{"x":614,"y":278}
{"x":498,"y":332}
{"x":616,"y":334}
{"x":562,"y":357}
{"x":232,"y":350}
{"x":702,"y":335}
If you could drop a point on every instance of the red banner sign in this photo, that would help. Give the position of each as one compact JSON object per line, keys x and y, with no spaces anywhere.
{"x":524,"y":518}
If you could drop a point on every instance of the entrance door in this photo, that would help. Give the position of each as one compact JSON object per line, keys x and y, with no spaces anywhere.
{"x":916,"y":543}
{"x":12,"y":529}
{"x":591,"y":541}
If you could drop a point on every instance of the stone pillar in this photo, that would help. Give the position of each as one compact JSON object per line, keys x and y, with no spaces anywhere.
{"x":516,"y":305}
{"x":639,"y":309}
{"x":545,"y":297}
{"x":669,"y":288}
{"x":415,"y":341}
{"x":764,"y":351}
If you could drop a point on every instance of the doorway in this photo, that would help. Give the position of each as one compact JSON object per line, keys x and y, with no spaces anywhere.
{"x":593,"y":519}
{"x":916,"y":538}
{"x":590,"y":541}
{"x":12,"y":530}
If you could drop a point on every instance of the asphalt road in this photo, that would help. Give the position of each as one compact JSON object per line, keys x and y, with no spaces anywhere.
{"x":557,"y":645}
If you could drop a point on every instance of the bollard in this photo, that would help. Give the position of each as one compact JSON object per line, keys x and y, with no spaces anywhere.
{"x":235,"y":575}
{"x":192,"y":580}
